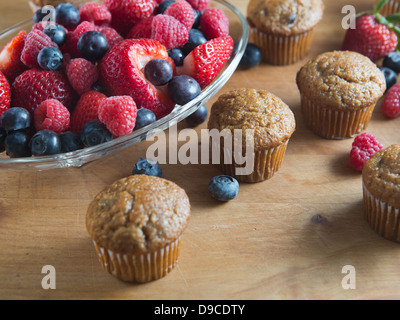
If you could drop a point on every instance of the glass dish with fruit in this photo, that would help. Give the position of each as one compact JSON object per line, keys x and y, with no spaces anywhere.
{"x":79,"y":91}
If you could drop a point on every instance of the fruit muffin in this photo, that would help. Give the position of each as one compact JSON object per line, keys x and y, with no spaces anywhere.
{"x":272,"y":122}
{"x":136,"y":225}
{"x":381,"y":192}
{"x":283,"y":29}
{"x":339,"y":91}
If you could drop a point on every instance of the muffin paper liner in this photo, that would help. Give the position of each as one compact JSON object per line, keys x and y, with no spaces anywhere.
{"x":383,"y":218}
{"x":391,"y":7}
{"x":140,"y":267}
{"x":282,"y":50}
{"x":334,"y":124}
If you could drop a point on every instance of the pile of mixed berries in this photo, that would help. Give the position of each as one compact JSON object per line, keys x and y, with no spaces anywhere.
{"x":104,"y":70}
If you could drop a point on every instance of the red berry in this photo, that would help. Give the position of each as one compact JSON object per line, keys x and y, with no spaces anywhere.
{"x":34,"y":43}
{"x":82,"y":74}
{"x":370,"y":38}
{"x":118,"y":114}
{"x":214,"y":23}
{"x":51,"y":115}
{"x":113,"y":37}
{"x":95,"y":13}
{"x":71,"y":45}
{"x":183,"y":12}
{"x":365,"y":145}
{"x":141,"y":30}
{"x":5,"y":94}
{"x":391,"y":103}
{"x":199,"y":5}
{"x":169,"y":31}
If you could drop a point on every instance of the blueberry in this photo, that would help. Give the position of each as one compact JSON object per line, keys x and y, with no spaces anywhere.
{"x":164,"y":6}
{"x":144,"y":118}
{"x":177,"y":55}
{"x":3,"y":135}
{"x":197,"y":17}
{"x":67,"y":15}
{"x":45,"y":143}
{"x":147,"y":167}
{"x":196,"y":38}
{"x":93,"y":45}
{"x":50,"y":59}
{"x":251,"y":56}
{"x":183,"y":89}
{"x":223,"y":188}
{"x":390,"y":77}
{"x":17,"y":144}
{"x":392,"y":61}
{"x":70,"y":141}
{"x":158,"y":71}
{"x":95,"y":133}
{"x":197,"y":117}
{"x":56,"y":33}
{"x":15,"y":119}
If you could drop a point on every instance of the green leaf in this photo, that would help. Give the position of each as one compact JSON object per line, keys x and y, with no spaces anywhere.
{"x":381,"y":19}
{"x":393,"y":18}
{"x":363,"y":13}
{"x":379,"y":5}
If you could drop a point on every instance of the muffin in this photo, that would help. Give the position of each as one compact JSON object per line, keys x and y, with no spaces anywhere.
{"x":136,"y":225}
{"x":283,"y":29}
{"x":339,"y":91}
{"x":391,"y":7}
{"x":381,"y":192}
{"x":271,"y":124}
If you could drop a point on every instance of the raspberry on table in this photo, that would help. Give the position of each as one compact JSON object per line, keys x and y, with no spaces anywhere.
{"x":391,"y":103}
{"x":51,"y":115}
{"x":365,"y":145}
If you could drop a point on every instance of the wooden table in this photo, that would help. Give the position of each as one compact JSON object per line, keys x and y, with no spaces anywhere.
{"x":263,"y":245}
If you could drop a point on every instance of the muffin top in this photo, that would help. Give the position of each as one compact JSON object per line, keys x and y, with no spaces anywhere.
{"x":381,"y":175}
{"x":342,"y":80}
{"x":138,"y":214}
{"x":284,"y":17}
{"x":271,"y":119}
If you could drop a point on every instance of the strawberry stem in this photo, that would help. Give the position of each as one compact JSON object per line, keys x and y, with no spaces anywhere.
{"x":379,"y":6}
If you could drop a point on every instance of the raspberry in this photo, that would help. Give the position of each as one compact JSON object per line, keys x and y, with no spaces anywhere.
{"x":95,"y":13}
{"x":391,"y":103}
{"x":118,"y":114}
{"x":82,"y":74}
{"x":51,"y":115}
{"x":183,"y":12}
{"x":113,"y":37}
{"x":35,"y":41}
{"x":73,"y":38}
{"x":141,"y":30}
{"x":364,"y":147}
{"x":169,"y":31}
{"x":214,"y":23}
{"x":199,"y":5}
{"x":5,"y":94}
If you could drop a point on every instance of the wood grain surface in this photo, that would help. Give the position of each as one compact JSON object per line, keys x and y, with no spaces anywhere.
{"x":266,"y":244}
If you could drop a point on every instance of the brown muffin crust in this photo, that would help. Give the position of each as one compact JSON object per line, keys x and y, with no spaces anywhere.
{"x":381,"y":175}
{"x":272,"y":120}
{"x":285,"y":17}
{"x":138,"y":214}
{"x":341,"y":80}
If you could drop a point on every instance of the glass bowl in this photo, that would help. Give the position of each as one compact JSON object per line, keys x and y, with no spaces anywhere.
{"x":239,"y":33}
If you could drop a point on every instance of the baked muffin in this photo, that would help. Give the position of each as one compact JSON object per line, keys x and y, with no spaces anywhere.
{"x":283,"y":29}
{"x":136,"y":225}
{"x":391,"y":7}
{"x":381,"y":192}
{"x":339,"y":91}
{"x":271,"y":124}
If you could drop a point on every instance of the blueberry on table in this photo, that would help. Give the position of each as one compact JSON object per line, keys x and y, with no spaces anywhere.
{"x":147,"y":167}
{"x":392,"y":61}
{"x":67,"y":15}
{"x":17,"y":144}
{"x":50,"y":59}
{"x":158,"y":71}
{"x":177,"y":55}
{"x":70,"y":141}
{"x":251,"y":56}
{"x":223,"y":188}
{"x":164,"y":6}
{"x":15,"y":119}
{"x":94,"y":133}
{"x":196,"y":38}
{"x":183,"y":89}
{"x":144,"y":117}
{"x":93,"y":45}
{"x":45,"y":143}
{"x":56,"y":33}
{"x":390,"y":77}
{"x":197,"y":117}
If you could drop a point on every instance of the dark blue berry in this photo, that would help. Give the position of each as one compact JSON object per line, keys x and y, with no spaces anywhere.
{"x":158,"y":71}
{"x":3,"y":135}
{"x":177,"y":55}
{"x":183,"y":89}
{"x":50,"y":59}
{"x":95,"y":133}
{"x":164,"y":6}
{"x":197,"y":17}
{"x":223,"y":188}
{"x":392,"y":61}
{"x":390,"y":77}
{"x":17,"y":144}
{"x":15,"y":119}
{"x":147,"y":167}
{"x":144,"y":118}
{"x":67,"y":15}
{"x":196,"y":38}
{"x":197,"y":117}
{"x":56,"y":33}
{"x":93,"y":45}
{"x":251,"y":56}
{"x":45,"y":143}
{"x":70,"y":141}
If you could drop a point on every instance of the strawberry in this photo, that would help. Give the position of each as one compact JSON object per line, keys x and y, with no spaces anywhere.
{"x":86,"y":110}
{"x":71,"y":45}
{"x":122,"y":74}
{"x":34,"y":86}
{"x":51,"y":115}
{"x":5,"y":94}
{"x":10,"y":57}
{"x":82,"y":74}
{"x":206,"y":61}
{"x":113,"y":37}
{"x":36,"y":40}
{"x":199,"y":5}
{"x":214,"y":23}
{"x":169,"y":31}
{"x":95,"y":13}
{"x":141,"y":30}
{"x":183,"y":12}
